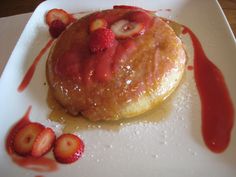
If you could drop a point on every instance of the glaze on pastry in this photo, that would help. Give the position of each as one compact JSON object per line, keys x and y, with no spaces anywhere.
{"x":126,"y":75}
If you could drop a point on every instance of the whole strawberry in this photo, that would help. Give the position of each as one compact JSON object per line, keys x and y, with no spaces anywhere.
{"x":56,"y":28}
{"x":101,"y":39}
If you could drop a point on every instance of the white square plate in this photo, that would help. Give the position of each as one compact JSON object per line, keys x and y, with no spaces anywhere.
{"x":172,"y":146}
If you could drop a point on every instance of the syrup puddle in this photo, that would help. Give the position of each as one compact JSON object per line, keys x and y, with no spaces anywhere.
{"x":73,"y":124}
{"x":175,"y":26}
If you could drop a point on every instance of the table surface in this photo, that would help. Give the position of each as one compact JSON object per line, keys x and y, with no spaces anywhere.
{"x":13,"y":7}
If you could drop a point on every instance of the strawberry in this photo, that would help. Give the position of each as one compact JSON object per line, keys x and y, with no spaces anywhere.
{"x":97,"y":23}
{"x":139,"y":17}
{"x":56,"y":28}
{"x":126,"y":29}
{"x":58,"y":14}
{"x":19,"y":125}
{"x":43,"y":142}
{"x":25,"y":137}
{"x":68,"y":148}
{"x":101,"y":39}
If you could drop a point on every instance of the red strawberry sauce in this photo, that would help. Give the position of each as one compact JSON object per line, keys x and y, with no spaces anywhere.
{"x":97,"y":67}
{"x":83,"y":65}
{"x":29,"y":74}
{"x":217,"y":107}
{"x":42,"y":164}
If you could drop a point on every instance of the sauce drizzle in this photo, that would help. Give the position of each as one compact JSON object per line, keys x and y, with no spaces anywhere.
{"x":217,"y":107}
{"x":41,"y":164}
{"x":29,"y":74}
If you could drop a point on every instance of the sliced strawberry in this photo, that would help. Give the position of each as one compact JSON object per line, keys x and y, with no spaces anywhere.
{"x":25,"y":137}
{"x":19,"y":125}
{"x":43,"y":142}
{"x":56,"y":28}
{"x":101,"y":39}
{"x":58,"y":14}
{"x":139,"y":17}
{"x":125,"y":29}
{"x":68,"y":148}
{"x":97,"y":23}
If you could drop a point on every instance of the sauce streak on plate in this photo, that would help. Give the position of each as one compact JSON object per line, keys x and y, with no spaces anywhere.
{"x":29,"y":74}
{"x":217,"y":107}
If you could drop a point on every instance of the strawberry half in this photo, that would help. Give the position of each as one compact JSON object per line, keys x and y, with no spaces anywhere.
{"x":68,"y":148}
{"x":97,"y":23}
{"x":101,"y":39}
{"x":58,"y":14}
{"x":25,"y":138}
{"x":125,"y":29}
{"x":43,"y":142}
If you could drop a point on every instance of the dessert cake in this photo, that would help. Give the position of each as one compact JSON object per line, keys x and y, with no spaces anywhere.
{"x":114,"y":64}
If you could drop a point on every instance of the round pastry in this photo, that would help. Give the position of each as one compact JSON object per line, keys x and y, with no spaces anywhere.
{"x":115,"y":64}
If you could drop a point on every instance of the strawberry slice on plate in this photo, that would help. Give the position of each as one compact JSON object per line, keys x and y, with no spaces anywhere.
{"x":58,"y":14}
{"x":25,"y":138}
{"x":43,"y":142}
{"x":68,"y":148}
